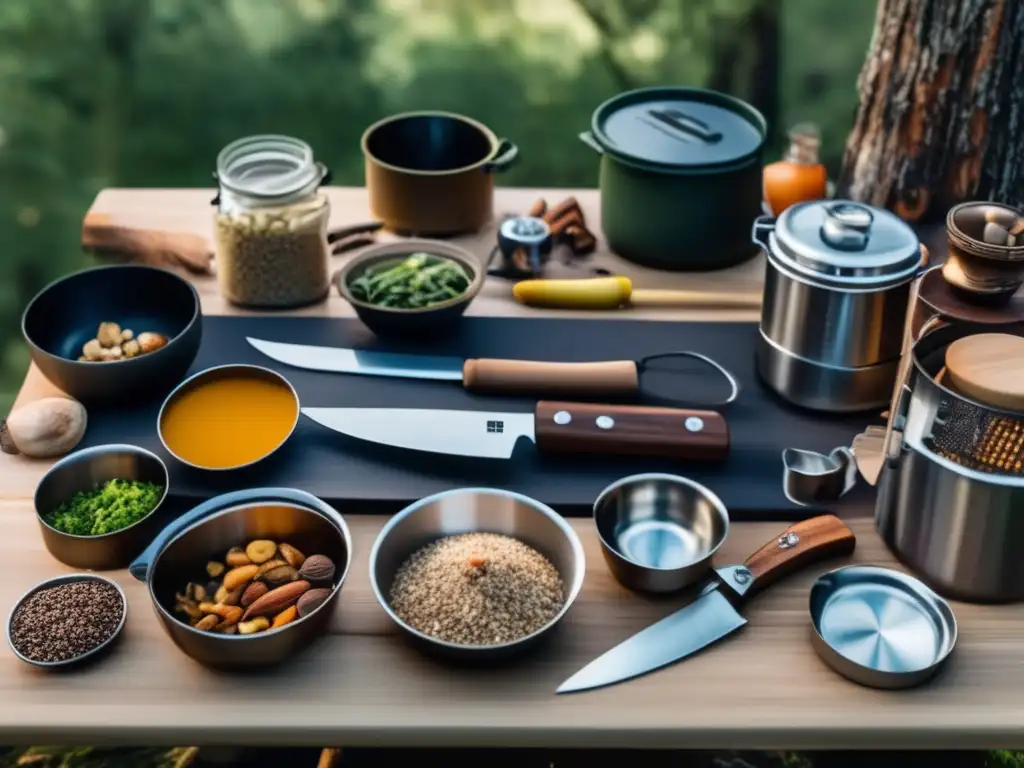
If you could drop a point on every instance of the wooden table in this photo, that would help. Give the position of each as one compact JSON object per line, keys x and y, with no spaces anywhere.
{"x":363,"y":686}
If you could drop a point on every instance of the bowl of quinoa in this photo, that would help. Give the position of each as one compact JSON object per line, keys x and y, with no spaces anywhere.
{"x":477,"y":573}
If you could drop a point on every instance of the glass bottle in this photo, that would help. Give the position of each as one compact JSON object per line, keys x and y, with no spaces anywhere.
{"x":271,"y":223}
{"x":799,"y":176}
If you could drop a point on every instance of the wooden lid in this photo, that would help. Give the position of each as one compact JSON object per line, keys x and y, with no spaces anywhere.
{"x":988,"y":367}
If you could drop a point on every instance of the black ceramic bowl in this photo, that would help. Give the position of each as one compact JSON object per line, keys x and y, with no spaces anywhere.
{"x":432,"y":320}
{"x":67,"y":313}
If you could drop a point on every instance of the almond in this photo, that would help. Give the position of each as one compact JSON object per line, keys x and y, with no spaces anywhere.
{"x":317,"y":568}
{"x":293,"y":557}
{"x":312,"y":600}
{"x":276,"y":600}
{"x":253,"y":592}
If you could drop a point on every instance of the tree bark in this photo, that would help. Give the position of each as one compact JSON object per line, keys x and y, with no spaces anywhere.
{"x":941,"y":116}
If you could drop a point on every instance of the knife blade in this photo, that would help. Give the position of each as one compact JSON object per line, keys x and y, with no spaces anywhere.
{"x":613,"y":378}
{"x":555,"y":427}
{"x":714,"y":614}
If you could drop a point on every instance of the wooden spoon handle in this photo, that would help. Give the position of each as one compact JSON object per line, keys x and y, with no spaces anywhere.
{"x":524,"y":377}
{"x":800,"y":545}
{"x":649,"y":297}
{"x":629,"y":430}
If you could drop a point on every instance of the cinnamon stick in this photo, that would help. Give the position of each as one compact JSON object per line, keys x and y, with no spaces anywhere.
{"x":562,"y":209}
{"x":569,"y":219}
{"x":581,"y":240}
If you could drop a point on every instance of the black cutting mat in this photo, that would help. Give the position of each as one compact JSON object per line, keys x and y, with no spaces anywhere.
{"x":341,"y":469}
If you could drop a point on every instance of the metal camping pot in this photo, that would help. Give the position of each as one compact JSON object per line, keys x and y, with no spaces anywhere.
{"x":680,"y":176}
{"x":945,"y":507}
{"x":837,"y":287}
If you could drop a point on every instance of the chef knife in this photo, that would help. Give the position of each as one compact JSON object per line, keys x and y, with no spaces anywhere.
{"x":555,"y":427}
{"x":714,"y":614}
{"x":613,"y":378}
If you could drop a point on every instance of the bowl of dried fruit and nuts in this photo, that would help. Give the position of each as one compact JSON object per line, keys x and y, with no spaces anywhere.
{"x":119,"y":333}
{"x":250,"y":578}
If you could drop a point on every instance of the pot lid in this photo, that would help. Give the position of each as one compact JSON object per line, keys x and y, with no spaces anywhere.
{"x":679,"y":129}
{"x":851,"y":242}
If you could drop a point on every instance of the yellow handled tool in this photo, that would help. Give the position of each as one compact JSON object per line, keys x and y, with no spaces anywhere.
{"x":616,"y":292}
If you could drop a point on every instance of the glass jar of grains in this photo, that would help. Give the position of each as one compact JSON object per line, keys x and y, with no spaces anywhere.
{"x":271,"y":223}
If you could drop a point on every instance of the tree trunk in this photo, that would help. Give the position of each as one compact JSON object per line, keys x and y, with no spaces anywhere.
{"x":941,"y":117}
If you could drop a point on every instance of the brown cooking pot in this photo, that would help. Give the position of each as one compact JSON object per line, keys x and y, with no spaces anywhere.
{"x":430,"y":173}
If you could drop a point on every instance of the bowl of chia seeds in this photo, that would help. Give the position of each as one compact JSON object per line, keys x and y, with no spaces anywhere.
{"x":477,"y":574}
{"x":67,"y":621}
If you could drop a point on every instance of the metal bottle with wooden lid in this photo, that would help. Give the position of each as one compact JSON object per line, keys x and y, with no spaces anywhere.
{"x":271,"y":223}
{"x":837,"y":287}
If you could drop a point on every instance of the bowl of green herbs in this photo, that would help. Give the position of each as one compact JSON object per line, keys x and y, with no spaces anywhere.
{"x":411,"y":288}
{"x":97,"y":507}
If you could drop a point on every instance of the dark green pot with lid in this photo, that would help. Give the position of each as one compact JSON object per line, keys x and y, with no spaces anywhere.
{"x":680,"y":176}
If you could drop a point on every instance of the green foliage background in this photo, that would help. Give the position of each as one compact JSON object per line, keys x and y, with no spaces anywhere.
{"x":95,"y":93}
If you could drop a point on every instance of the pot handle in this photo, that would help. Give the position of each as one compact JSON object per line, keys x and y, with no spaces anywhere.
{"x":504,"y":159}
{"x":763,"y":226}
{"x":588,"y":138}
{"x":141,"y":565}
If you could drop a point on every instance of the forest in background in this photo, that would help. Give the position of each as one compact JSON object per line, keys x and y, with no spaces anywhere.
{"x":136,"y":93}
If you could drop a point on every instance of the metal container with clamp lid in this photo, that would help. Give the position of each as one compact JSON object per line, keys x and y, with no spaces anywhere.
{"x":837,"y":287}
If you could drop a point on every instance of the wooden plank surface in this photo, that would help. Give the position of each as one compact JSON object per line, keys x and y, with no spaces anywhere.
{"x":363,"y":685}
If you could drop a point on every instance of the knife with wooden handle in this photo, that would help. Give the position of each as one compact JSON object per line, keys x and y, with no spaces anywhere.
{"x":555,"y":428}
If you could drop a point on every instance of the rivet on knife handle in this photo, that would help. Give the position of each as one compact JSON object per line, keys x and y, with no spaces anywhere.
{"x":800,"y":545}
{"x":604,"y":379}
{"x":629,"y":430}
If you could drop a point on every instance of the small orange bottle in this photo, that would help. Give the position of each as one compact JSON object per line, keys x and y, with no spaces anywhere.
{"x":799,"y":176}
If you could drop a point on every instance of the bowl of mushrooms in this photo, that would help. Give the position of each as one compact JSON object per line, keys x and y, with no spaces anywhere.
{"x":111,"y":332}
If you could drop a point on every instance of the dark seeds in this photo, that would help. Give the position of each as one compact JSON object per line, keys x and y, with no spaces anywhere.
{"x":66,"y":621}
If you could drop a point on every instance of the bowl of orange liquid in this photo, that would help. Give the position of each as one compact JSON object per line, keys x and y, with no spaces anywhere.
{"x":228,"y":417}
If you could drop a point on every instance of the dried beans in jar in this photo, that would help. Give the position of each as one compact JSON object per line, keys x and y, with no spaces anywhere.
{"x":271,"y":223}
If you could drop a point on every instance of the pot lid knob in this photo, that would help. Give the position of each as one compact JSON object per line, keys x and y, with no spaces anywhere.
{"x":847,"y":226}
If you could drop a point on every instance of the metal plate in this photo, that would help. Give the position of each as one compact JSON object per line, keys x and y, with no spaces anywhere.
{"x":880,"y":627}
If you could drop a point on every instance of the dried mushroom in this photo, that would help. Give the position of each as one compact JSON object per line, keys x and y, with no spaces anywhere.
{"x":112,"y":342}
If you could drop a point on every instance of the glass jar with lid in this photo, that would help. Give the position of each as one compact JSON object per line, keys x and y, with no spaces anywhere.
{"x":271,"y":223}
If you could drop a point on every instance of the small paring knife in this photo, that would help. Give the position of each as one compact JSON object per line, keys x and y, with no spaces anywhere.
{"x":715,"y":613}
{"x":555,"y":427}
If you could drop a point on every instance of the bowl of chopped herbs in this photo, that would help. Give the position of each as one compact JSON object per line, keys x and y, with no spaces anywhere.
{"x":96,"y":507}
{"x":411,"y":288}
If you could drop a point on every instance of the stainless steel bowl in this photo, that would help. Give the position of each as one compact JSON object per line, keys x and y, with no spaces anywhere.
{"x":213,"y":374}
{"x":208,"y":531}
{"x":658,"y":532}
{"x":469,"y":510}
{"x":880,"y":627}
{"x":85,"y":470}
{"x":88,"y":656}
